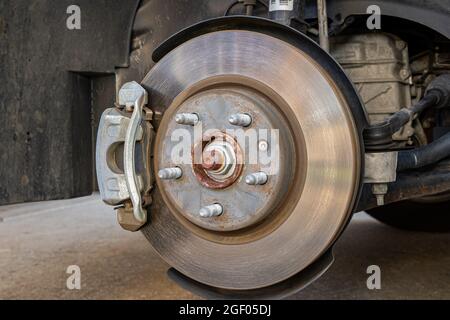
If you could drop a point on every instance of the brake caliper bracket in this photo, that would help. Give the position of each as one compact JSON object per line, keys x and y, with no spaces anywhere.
{"x":123,"y":151}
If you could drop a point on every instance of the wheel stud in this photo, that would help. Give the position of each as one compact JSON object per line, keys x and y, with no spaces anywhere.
{"x":170,"y":173}
{"x":257,"y":178}
{"x":240,"y":119}
{"x":190,"y":119}
{"x":214,"y":210}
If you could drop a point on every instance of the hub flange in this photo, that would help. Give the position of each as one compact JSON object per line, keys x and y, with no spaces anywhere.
{"x":223,"y":154}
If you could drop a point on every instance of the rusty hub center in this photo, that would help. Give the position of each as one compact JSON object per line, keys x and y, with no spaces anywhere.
{"x":221,"y":163}
{"x":213,"y":160}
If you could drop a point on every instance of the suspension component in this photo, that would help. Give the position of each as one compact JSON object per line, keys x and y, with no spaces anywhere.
{"x":426,"y":155}
{"x":437,"y":95}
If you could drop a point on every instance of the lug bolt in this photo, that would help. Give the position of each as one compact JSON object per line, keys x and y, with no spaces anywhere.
{"x":257,"y":178}
{"x":190,"y":119}
{"x":214,"y":210}
{"x":240,"y":119}
{"x":170,"y":173}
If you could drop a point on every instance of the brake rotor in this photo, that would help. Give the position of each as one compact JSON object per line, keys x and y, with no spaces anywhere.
{"x":225,"y":219}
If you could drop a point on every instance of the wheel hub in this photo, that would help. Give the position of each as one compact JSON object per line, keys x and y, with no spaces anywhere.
{"x":234,"y":160}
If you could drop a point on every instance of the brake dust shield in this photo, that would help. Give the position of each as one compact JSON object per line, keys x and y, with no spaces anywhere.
{"x":267,"y":232}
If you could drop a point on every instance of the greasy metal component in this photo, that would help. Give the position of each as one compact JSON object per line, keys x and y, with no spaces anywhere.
{"x":258,"y":178}
{"x":132,"y":95}
{"x":323,"y":25}
{"x":213,"y":210}
{"x":170,"y":173}
{"x":280,"y":290}
{"x":322,"y":187}
{"x":222,"y":160}
{"x":240,"y":119}
{"x":378,"y":64}
{"x":190,"y":119}
{"x":111,"y":134}
{"x":380,"y":167}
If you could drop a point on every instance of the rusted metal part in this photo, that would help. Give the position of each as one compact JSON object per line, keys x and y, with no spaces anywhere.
{"x":209,"y":164}
{"x":411,"y":185}
{"x":213,"y":160}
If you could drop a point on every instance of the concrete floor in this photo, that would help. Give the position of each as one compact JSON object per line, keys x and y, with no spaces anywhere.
{"x":39,"y":241}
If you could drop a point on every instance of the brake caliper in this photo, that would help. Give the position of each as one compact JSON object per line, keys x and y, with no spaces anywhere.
{"x":124,"y":154}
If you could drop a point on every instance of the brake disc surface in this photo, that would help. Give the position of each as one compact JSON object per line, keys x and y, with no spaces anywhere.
{"x":266,"y":233}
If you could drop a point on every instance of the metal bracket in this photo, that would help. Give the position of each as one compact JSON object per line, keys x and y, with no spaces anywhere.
{"x":380,"y":169}
{"x":116,"y":156}
{"x":132,"y":95}
{"x":111,"y":136}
